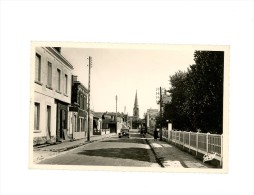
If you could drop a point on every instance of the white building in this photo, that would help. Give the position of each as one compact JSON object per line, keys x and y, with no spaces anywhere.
{"x":51,"y":74}
{"x":151,"y":117}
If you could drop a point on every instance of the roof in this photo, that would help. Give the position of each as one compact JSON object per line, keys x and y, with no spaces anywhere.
{"x":80,"y":85}
{"x":113,"y":114}
{"x":98,"y":114}
{"x":60,"y":57}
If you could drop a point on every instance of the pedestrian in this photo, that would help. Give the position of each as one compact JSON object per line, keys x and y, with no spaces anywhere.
{"x":155,"y":134}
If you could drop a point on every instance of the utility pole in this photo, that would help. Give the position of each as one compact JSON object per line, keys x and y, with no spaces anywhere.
{"x":116,"y":113}
{"x":89,"y":92}
{"x":160,"y":115}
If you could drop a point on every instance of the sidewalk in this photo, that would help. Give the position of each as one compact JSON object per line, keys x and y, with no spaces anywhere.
{"x":67,"y":145}
{"x":169,"y":156}
{"x":48,"y":151}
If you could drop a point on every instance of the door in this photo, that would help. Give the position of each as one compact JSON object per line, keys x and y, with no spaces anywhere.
{"x":62,"y":123}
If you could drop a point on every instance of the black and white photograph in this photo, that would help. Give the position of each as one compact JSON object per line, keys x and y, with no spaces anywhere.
{"x":126,"y":97}
{"x":154,"y":107}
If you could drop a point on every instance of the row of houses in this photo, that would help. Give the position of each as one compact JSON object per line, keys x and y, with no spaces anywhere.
{"x":60,"y":102}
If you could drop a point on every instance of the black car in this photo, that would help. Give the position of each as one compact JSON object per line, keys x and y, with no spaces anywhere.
{"x":124,"y":133}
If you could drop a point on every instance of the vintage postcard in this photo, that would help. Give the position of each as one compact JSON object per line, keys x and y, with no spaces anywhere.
{"x":129,"y":107}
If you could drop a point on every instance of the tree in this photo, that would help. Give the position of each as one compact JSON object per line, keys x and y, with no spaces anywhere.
{"x":197,"y":95}
{"x":175,"y":110}
{"x":205,"y":91}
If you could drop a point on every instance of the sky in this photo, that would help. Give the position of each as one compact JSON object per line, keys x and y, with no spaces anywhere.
{"x":124,"y":71}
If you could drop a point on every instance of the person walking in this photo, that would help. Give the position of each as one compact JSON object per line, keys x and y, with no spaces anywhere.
{"x":155,"y":134}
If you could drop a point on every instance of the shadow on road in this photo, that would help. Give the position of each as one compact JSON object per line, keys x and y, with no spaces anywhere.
{"x":139,"y":154}
{"x":126,"y":140}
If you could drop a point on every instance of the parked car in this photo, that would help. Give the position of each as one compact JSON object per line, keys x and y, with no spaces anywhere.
{"x":124,"y":133}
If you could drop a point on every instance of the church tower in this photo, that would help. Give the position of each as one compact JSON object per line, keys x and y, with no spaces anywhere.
{"x":136,"y":109}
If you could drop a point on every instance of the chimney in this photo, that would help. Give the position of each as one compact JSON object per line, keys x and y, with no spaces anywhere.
{"x":74,"y":78}
{"x":58,"y":49}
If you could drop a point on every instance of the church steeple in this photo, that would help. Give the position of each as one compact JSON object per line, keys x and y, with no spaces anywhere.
{"x":136,"y":109}
{"x":136,"y":100}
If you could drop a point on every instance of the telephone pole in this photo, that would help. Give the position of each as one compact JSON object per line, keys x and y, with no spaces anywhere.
{"x":160,"y":115}
{"x":159,"y":98}
{"x":159,"y":92}
{"x":89,"y":92}
{"x":116,"y":113}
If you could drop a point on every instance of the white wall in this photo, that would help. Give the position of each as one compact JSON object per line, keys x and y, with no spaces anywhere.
{"x":56,"y":64}
{"x":44,"y":101}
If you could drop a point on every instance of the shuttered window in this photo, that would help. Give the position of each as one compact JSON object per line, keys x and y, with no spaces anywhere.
{"x":66,"y":84}
{"x":58,"y":80}
{"x":49,"y":82}
{"x":36,"y":116}
{"x":37,"y":67}
{"x":81,"y":101}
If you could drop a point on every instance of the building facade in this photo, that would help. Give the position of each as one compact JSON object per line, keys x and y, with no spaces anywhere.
{"x":52,"y":95}
{"x":78,"y":110}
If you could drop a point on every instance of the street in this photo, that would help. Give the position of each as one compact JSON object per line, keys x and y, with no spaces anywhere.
{"x":136,"y":151}
{"x":132,"y":152}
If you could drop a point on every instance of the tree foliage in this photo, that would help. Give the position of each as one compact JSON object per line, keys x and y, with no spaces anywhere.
{"x":197,"y":95}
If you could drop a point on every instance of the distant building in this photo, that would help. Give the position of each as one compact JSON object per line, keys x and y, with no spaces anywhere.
{"x":52,"y":95}
{"x":97,"y":123}
{"x":151,"y":118}
{"x":166,"y":99}
{"x":109,"y":121}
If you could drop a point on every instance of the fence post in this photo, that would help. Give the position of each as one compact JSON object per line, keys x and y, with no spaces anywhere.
{"x":183,"y":138}
{"x":196,"y":143}
{"x":207,"y":142}
{"x":169,"y":131}
{"x":175,"y":137}
{"x":221,"y":149}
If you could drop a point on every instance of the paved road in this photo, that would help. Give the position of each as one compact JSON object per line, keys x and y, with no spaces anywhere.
{"x":132,"y":152}
{"x":136,"y":151}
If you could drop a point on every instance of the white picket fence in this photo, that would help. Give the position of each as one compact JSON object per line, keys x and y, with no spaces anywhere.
{"x":204,"y":143}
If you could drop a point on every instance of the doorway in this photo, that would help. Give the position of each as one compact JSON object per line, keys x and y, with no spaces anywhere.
{"x":48,"y":123}
{"x":63,"y":123}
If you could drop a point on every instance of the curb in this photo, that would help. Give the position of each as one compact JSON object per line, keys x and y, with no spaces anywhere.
{"x":74,"y":146}
{"x":157,"y":157}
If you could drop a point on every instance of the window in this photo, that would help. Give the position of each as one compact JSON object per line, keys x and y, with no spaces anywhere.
{"x":66,"y":83}
{"x":49,"y":81}
{"x":58,"y":80}
{"x":36,"y":116}
{"x":37,"y":67}
{"x":74,"y":123}
{"x":81,"y":124}
{"x":81,"y":101}
{"x":85,"y":103}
